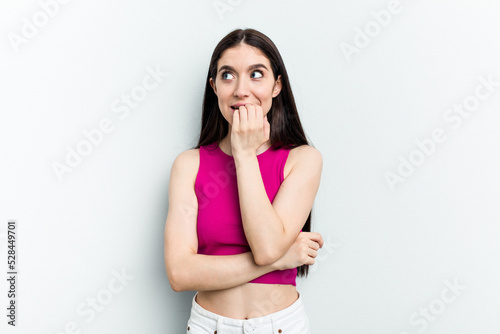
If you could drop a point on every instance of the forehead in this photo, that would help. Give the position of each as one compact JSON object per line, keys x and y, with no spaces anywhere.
{"x":242,"y":56}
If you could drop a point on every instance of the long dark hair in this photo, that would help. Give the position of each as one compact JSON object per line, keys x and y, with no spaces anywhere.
{"x":286,"y":129}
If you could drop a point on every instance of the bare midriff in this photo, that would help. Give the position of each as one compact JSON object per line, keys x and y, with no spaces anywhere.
{"x":250,"y":300}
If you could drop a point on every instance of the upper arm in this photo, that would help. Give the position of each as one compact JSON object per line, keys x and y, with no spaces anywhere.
{"x":180,"y":227}
{"x":295,"y":197}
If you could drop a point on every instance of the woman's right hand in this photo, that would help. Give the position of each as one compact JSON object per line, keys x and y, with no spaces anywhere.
{"x":303,"y":251}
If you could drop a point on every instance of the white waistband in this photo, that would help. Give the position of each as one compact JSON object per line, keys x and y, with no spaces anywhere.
{"x":214,"y":320}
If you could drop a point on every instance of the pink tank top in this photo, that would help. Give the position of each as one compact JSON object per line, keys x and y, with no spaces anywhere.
{"x":219,"y":227}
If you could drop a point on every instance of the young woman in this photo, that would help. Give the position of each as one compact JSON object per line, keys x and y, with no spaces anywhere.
{"x":238,"y":222}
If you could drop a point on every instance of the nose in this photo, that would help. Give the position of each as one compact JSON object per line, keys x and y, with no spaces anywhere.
{"x":242,"y":88}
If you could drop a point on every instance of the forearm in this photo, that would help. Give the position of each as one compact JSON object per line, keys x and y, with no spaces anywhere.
{"x":263,"y":227}
{"x":199,"y":272}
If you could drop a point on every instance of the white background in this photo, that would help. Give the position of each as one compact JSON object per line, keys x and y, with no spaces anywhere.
{"x":389,"y":250}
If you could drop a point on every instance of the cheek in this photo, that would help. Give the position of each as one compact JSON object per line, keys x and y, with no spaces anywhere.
{"x":266,"y":99}
{"x":265,"y":94}
{"x":225,"y":94}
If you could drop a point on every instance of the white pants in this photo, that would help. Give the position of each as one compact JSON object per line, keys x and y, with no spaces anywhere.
{"x":291,"y":320}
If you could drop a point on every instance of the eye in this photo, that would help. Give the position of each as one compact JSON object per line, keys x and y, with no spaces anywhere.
{"x":227,"y":76}
{"x":259,"y":74}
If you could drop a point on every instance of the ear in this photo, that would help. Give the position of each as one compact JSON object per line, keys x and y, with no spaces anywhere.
{"x":212,"y":83}
{"x":277,"y":86}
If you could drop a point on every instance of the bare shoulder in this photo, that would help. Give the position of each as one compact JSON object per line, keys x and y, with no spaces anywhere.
{"x":188,"y":156}
{"x":305,"y":151}
{"x":304,"y":155}
{"x":187,"y":163}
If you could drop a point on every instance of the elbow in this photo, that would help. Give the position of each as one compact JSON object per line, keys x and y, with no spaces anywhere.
{"x":176,"y":279}
{"x":180,"y":277}
{"x":176,"y":287}
{"x":176,"y":283}
{"x":266,"y":257}
{"x":263,"y":261}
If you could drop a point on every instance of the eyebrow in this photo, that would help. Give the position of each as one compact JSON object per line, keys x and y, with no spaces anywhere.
{"x":251,"y":67}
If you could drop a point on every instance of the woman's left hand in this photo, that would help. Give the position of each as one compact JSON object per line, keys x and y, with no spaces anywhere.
{"x":250,"y":129}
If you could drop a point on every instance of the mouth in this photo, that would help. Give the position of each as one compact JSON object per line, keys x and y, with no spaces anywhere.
{"x":237,"y":106}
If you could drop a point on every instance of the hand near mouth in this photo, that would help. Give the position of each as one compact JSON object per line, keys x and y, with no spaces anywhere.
{"x":250,"y":130}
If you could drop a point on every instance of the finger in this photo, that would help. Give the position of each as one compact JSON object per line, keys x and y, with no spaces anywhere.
{"x":250,"y":107}
{"x":250,"y":111}
{"x":312,"y":253}
{"x":243,"y":114}
{"x":267,"y":128}
{"x":314,"y":236}
{"x":313,"y":245}
{"x":318,"y":238}
{"x":259,"y":114}
{"x":259,"y":117}
{"x":236,"y":120}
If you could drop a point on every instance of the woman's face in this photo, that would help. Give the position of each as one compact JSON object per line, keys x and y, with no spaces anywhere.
{"x":244,"y":75}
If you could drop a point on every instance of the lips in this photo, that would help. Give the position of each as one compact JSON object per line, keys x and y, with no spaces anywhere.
{"x":237,"y":106}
